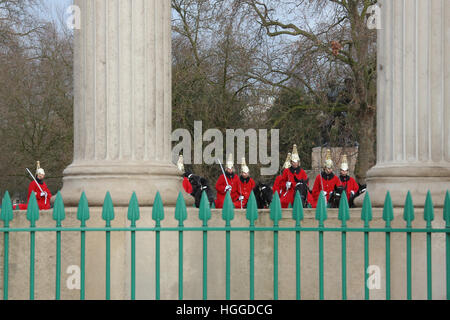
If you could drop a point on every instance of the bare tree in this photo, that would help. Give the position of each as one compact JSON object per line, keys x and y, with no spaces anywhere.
{"x":212,"y":57}
{"x":36,"y":105}
{"x":328,"y":32}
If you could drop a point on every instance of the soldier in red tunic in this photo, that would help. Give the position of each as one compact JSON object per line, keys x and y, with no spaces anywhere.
{"x":43,"y":194}
{"x":351,"y":187}
{"x":246,"y":186}
{"x":277,"y":187}
{"x":325,"y":181}
{"x":231,"y":184}
{"x":187,"y":186}
{"x":289,"y":177}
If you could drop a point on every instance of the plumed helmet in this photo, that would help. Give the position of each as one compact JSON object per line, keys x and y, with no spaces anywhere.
{"x":295,"y":157}
{"x":287,"y":163}
{"x":328,"y":162}
{"x":344,"y":163}
{"x":39,"y":170}
{"x":230,"y":164}
{"x":180,"y":163}
{"x":244,"y":167}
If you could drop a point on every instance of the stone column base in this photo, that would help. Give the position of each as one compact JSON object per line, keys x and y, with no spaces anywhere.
{"x":399,"y":179}
{"x":121,"y":179}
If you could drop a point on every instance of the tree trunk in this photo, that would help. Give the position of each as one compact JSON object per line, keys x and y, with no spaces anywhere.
{"x":367,"y":144}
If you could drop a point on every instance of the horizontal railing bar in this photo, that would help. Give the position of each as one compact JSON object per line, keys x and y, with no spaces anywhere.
{"x":311,"y":229}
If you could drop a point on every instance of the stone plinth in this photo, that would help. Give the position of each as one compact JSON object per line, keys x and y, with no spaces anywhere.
{"x":413,"y":112}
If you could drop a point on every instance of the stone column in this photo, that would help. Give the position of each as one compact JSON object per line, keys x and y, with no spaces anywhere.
{"x":122,"y":112}
{"x":413,"y":115}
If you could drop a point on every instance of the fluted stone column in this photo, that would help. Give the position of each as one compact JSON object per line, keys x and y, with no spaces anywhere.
{"x":413,"y":113}
{"x":122,"y":112}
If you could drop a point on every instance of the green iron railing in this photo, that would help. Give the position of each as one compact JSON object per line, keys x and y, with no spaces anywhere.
{"x":133,"y":216}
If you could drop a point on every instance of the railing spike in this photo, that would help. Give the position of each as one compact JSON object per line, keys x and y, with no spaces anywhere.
{"x":7,"y":214}
{"x":297,"y":210}
{"x":428,"y":213}
{"x":83,"y":209}
{"x":108,"y":209}
{"x":158,"y":209}
{"x":344,"y":210}
{"x":59,"y":213}
{"x":321,"y":209}
{"x":388,"y":210}
{"x":408,"y":210}
{"x":252,"y":209}
{"x":204,"y":213}
{"x":228,"y":209}
{"x":32,"y":210}
{"x":275,"y":209}
{"x":180,"y":209}
{"x":366,"y":212}
{"x":133,"y":209}
{"x":447,"y":209}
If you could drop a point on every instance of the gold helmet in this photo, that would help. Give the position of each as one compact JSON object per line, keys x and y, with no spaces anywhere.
{"x":328,"y":162}
{"x":230,"y":161}
{"x":39,"y":170}
{"x":294,"y":156}
{"x":244,"y":167}
{"x":344,"y":163}
{"x":180,"y":163}
{"x":287,"y":164}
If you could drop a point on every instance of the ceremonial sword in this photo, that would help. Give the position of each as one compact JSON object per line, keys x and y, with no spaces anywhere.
{"x":224,"y":175}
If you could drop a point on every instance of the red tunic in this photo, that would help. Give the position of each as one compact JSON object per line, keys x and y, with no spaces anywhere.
{"x":43,"y":202}
{"x":350,"y":184}
{"x":287,"y":197}
{"x":245,"y":189}
{"x":220,"y":188}
{"x":329,"y":181}
{"x":277,"y":187}
{"x":187,"y":186}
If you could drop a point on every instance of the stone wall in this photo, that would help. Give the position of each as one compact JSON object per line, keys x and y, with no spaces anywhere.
{"x":145,"y":267}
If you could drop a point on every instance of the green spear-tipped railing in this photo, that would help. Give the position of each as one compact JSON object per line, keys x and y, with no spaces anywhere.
{"x":275,"y":216}
{"x":297,"y":216}
{"x":158,"y":216}
{"x":227,"y":216}
{"x":252,"y":216}
{"x":428,"y":217}
{"x":6,"y":216}
{"x":388,"y":216}
{"x":133,"y":216}
{"x":408,"y":216}
{"x":83,"y":216}
{"x":108,"y":216}
{"x":58,"y":215}
{"x":32,"y":216}
{"x":204,"y":215}
{"x":446,"y":217}
{"x":344,"y":216}
{"x":321,"y":216}
{"x":181,"y":216}
{"x":366,"y":216}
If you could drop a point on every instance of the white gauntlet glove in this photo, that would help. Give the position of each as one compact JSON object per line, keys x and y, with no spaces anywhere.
{"x":241,"y":198}
{"x":43,"y":194}
{"x":227,"y":188}
{"x":288,"y":185}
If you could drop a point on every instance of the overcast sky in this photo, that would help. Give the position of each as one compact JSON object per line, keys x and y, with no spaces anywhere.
{"x":52,"y":9}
